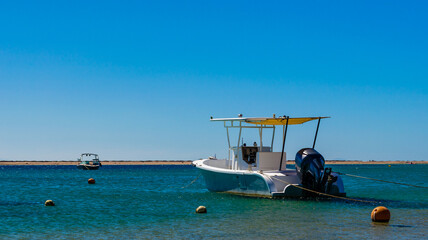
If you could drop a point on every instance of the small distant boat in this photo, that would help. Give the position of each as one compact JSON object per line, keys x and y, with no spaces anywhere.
{"x":89,"y":161}
{"x":256,"y":170}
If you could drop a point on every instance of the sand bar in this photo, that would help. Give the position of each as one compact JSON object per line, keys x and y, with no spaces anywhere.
{"x":189,"y":162}
{"x":102,"y":162}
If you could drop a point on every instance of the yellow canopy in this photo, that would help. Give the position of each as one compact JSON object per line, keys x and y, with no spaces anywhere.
{"x":281,"y":121}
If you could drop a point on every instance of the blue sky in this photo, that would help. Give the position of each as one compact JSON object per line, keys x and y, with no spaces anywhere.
{"x":139,"y":80}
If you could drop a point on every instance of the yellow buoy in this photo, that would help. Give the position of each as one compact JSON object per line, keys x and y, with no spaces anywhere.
{"x":91,"y":181}
{"x":201,"y":209}
{"x":380,"y":214}
{"x":49,"y":203}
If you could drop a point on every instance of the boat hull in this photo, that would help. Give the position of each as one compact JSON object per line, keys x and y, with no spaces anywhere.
{"x":271,"y":184}
{"x":88,"y":167}
{"x":237,"y":183}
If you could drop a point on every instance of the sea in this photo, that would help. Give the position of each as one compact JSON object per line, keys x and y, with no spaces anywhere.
{"x":159,"y":202}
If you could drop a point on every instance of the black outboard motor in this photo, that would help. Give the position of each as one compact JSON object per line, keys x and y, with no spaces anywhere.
{"x":310,"y":169}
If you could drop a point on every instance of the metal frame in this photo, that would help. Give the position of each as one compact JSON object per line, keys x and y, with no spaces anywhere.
{"x":316,"y":133}
{"x":283,"y":144}
{"x":233,"y":161}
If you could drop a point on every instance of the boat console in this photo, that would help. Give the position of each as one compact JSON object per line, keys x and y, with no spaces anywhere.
{"x":249,"y":154}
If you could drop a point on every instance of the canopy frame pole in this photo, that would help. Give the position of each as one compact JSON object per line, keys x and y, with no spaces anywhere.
{"x":283,"y":144}
{"x":228,"y":142}
{"x":261,"y":137}
{"x":316,"y":132}
{"x":273,"y":137}
{"x":237,"y":148}
{"x":228,"y":136}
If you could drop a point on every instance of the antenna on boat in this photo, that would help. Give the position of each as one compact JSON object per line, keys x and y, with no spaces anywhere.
{"x":316,"y":133}
{"x":283,"y":143}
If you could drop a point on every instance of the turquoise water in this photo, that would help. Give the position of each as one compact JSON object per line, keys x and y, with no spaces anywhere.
{"x":148,"y":202}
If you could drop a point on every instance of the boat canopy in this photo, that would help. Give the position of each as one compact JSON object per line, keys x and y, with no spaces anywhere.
{"x":263,"y":123}
{"x":271,"y":121}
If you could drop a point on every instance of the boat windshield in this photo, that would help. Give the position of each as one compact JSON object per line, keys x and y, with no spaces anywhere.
{"x":89,"y":158}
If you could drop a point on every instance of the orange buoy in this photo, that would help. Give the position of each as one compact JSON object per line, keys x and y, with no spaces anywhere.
{"x":91,"y":181}
{"x":380,"y":214}
{"x":49,"y":203}
{"x":201,"y":209}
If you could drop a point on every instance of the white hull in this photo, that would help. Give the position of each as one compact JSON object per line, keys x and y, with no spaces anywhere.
{"x":272,"y":183}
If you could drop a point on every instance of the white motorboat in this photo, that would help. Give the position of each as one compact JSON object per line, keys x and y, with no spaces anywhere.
{"x":88,"y":161}
{"x":257,"y":170}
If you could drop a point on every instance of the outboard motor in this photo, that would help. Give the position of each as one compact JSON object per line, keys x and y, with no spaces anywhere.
{"x":310,"y":169}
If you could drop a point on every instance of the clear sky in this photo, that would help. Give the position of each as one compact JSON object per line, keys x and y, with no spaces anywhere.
{"x":139,"y":80}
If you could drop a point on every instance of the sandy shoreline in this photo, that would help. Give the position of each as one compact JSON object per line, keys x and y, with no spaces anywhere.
{"x":102,"y":162}
{"x":328,"y":162}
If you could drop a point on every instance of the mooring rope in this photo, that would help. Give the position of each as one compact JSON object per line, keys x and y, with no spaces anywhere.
{"x":324,"y":194}
{"x":194,"y":180}
{"x":374,"y":179}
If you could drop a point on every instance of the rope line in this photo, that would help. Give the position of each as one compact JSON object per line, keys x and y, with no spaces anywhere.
{"x":374,"y":179}
{"x":324,"y":194}
{"x":194,"y":180}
